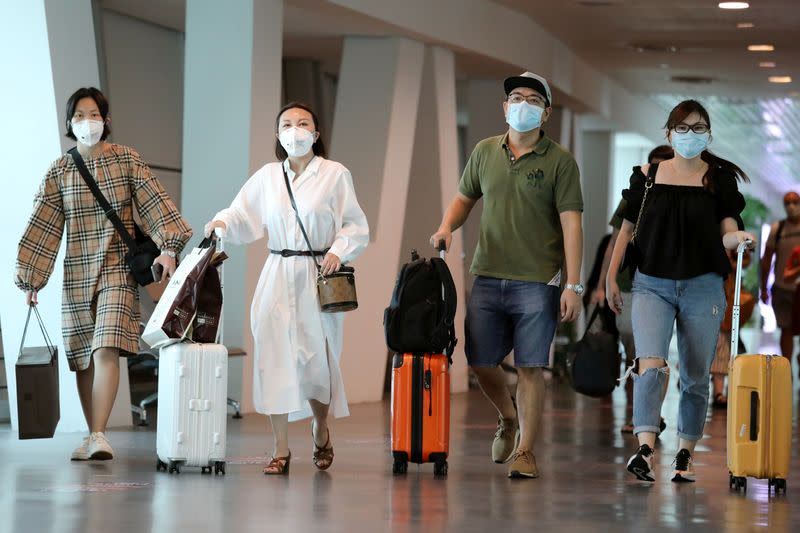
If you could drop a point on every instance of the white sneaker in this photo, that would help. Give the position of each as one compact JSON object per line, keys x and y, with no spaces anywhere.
{"x":99,"y":447}
{"x":81,"y":453}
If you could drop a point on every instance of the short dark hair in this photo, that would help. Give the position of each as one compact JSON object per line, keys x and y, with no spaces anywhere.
{"x":102,"y":104}
{"x":662,"y":152}
{"x":318,"y":147}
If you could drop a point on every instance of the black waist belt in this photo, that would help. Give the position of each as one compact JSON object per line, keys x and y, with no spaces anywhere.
{"x":298,"y":253}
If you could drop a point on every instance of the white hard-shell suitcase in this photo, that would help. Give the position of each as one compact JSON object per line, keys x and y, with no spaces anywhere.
{"x":192,"y":406}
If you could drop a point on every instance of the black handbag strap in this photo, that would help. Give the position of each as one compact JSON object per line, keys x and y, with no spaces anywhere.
{"x":594,"y":316}
{"x":299,"y":221}
{"x":648,"y":184}
{"x":109,"y":211}
{"x":33,"y":309}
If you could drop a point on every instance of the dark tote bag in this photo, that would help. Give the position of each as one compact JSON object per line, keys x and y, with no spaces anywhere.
{"x":593,"y":364}
{"x":38,"y":410}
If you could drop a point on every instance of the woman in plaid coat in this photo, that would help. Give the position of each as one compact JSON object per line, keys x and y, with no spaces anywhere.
{"x":100,"y":312}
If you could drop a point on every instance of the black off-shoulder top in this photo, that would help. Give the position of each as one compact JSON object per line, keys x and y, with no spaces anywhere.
{"x":679,"y":234}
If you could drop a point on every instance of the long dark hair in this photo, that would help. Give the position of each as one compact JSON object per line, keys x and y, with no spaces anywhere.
{"x":318,"y":147}
{"x":102,"y":105}
{"x":715,"y":163}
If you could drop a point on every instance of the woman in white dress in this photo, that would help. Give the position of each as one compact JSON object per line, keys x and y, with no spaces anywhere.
{"x":297,"y":347}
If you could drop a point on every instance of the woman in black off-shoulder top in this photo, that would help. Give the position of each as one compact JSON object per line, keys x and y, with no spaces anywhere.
{"x":689,"y":211}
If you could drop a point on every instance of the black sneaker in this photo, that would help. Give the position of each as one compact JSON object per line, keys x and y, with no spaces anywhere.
{"x":641,"y":464}
{"x":684,"y":467}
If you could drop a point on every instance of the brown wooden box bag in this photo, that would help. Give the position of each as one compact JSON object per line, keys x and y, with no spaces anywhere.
{"x":38,"y":408}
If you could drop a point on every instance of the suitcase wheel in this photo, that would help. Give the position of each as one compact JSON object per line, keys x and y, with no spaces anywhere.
{"x":778,"y":484}
{"x":161,"y":465}
{"x":174,"y":466}
{"x":219,"y":468}
{"x":205,"y":469}
{"x":736,"y":483}
{"x":440,"y":469}
{"x":399,"y":467}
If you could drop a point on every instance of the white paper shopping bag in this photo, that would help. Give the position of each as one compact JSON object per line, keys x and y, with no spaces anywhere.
{"x":176,"y":309}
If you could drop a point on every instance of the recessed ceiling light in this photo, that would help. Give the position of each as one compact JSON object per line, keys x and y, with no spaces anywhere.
{"x":745,"y":25}
{"x":780,"y":79}
{"x":761,"y":48}
{"x":734,"y":5}
{"x":767,"y":64}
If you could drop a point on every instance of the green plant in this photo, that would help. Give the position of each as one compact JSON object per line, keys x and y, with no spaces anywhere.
{"x":755,"y":214}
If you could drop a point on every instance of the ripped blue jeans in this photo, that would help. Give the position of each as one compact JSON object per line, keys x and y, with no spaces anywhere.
{"x":697,"y":305}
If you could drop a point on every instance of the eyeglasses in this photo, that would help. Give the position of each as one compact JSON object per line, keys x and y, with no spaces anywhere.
{"x":534,"y":99}
{"x":697,"y":128}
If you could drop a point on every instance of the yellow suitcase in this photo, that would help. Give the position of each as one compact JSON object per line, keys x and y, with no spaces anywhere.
{"x":759,"y":411}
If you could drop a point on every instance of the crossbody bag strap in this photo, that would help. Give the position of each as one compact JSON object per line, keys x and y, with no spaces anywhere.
{"x":109,"y":211}
{"x":299,"y":221}
{"x":648,"y":184}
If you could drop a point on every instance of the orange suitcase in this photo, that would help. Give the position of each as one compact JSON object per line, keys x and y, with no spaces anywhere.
{"x":759,"y":410}
{"x":420,"y":411}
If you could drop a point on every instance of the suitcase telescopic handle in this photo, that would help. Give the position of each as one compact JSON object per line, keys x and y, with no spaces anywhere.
{"x":737,"y":295}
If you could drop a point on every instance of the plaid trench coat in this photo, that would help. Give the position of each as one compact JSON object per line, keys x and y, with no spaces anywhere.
{"x":100,"y":298}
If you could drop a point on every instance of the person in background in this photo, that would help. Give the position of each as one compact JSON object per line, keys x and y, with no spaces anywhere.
{"x":100,"y":313}
{"x":721,"y":364}
{"x":623,"y":320}
{"x":784,"y":236}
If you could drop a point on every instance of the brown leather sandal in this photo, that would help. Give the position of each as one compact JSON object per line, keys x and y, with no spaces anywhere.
{"x":278,"y":466}
{"x":323,"y":456}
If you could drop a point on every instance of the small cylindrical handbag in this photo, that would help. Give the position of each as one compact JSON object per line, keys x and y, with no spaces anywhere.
{"x":337,"y":291}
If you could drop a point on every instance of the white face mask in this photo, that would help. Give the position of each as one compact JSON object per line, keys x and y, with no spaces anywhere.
{"x":88,"y":131}
{"x":296,"y":141}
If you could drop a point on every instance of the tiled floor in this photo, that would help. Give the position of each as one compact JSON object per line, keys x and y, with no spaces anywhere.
{"x":584,"y":486}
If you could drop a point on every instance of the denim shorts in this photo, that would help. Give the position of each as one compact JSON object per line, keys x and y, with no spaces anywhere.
{"x":503,"y":314}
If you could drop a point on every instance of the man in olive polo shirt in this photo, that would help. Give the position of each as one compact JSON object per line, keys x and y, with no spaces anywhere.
{"x":530,"y":227}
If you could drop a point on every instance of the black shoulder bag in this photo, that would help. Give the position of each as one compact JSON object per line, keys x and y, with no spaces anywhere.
{"x":142,"y":250}
{"x":633,"y":256}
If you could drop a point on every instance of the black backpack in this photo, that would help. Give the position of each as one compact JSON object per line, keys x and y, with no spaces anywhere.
{"x":420,"y":317}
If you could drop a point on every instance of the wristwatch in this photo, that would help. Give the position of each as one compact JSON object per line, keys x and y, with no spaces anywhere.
{"x":577,"y":288}
{"x":169,"y":253}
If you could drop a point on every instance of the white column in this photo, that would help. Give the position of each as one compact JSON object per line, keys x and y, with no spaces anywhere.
{"x":484,"y":108}
{"x":60,"y":55}
{"x":232,"y":92}
{"x":373,"y":135}
{"x":434,"y":182}
{"x":595,"y":161}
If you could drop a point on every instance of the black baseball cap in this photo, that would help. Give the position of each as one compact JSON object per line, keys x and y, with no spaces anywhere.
{"x":531,"y":81}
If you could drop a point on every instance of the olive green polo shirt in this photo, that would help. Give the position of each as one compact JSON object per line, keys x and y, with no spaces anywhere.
{"x":520,"y":231}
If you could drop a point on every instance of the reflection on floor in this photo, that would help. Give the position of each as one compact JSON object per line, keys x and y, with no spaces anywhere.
{"x":581,"y":453}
